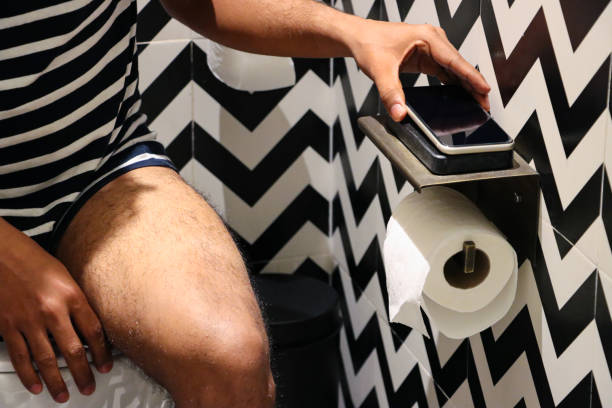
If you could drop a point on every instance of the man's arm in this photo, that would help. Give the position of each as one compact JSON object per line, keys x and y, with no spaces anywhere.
{"x":306,"y":28}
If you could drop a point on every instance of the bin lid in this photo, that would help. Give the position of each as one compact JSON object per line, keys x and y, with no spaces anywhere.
{"x":299,"y":310}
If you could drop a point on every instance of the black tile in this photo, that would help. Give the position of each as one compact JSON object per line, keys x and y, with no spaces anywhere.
{"x":578,"y":216}
{"x":251,"y":184}
{"x":170,"y":81}
{"x":535,"y":46}
{"x":580,"y":17}
{"x":151,"y":20}
{"x":311,"y":269}
{"x":248,"y":108}
{"x":565,"y":322}
{"x":319,"y":66}
{"x":370,"y":106}
{"x":404,"y":7}
{"x":606,"y":203}
{"x":459,"y":25}
{"x":180,"y":149}
{"x":308,"y":207}
{"x":603,"y":319}
{"x":361,"y":347}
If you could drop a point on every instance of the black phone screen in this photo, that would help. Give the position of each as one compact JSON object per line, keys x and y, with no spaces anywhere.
{"x":454,"y":117}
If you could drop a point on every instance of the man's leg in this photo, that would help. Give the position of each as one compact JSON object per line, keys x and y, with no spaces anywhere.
{"x":170,"y":287}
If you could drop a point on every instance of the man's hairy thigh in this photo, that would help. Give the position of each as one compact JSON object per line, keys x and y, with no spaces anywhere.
{"x":161,"y":270}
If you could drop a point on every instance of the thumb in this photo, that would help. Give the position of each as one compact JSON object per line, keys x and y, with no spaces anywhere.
{"x":391,"y":93}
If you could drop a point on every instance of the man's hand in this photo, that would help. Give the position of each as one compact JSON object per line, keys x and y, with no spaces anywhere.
{"x":307,"y":28}
{"x":38,"y":297}
{"x":383,"y":50}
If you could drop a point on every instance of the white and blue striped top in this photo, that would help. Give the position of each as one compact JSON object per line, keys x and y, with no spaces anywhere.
{"x":69,"y":108}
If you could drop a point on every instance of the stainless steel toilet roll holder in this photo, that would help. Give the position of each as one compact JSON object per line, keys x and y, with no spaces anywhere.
{"x":509,"y":198}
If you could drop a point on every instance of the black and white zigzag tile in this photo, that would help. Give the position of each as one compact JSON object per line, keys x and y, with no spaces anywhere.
{"x":154,"y":24}
{"x":262,"y":158}
{"x":166,"y":88}
{"x":604,"y":253}
{"x":165,"y":80}
{"x":551,"y":85}
{"x":266,"y":162}
{"x":548,"y":64}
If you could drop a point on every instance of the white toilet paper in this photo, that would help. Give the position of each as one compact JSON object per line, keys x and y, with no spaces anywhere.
{"x":425,"y":231}
{"x":249,"y":72}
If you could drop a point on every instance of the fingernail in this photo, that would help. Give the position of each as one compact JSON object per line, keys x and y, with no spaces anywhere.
{"x":105,"y":368}
{"x":89,"y":389}
{"x":397,"y":111}
{"x":36,"y":388}
{"x":62,"y":397}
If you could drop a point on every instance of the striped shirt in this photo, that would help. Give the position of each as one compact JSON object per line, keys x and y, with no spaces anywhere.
{"x":69,"y":108}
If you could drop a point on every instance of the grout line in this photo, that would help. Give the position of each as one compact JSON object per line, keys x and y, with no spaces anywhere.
{"x":607,"y":145}
{"x":393,"y":333}
{"x":572,"y":244}
{"x":558,"y":232}
{"x":603,"y":176}
{"x":191,"y":82}
{"x":175,"y":40}
{"x":597,"y":272}
{"x":321,"y":255}
{"x":591,"y":391}
{"x":330,"y":217}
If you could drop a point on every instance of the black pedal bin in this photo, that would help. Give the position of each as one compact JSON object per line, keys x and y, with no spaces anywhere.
{"x":304,"y":322}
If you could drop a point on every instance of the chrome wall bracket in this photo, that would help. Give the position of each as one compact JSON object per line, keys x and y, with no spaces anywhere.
{"x":509,"y":198}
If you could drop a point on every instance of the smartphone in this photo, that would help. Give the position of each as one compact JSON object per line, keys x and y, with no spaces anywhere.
{"x":453,"y":121}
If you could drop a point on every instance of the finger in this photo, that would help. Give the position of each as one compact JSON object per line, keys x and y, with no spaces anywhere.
{"x":89,"y":326}
{"x":75,"y":356}
{"x":45,"y":359}
{"x":480,"y":97}
{"x":390,"y":91}
{"x":444,"y":77}
{"x":483,"y":100}
{"x":452,"y":78}
{"x":442,"y":33}
{"x":447,"y":56}
{"x":429,"y":67}
{"x":22,"y":362}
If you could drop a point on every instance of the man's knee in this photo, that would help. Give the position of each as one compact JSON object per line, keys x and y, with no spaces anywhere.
{"x":230,"y":369}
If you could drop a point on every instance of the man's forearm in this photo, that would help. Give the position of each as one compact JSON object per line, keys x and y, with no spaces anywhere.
{"x":306,"y":28}
{"x":300,"y":28}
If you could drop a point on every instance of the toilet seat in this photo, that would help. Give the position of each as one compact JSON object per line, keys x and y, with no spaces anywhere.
{"x":125,"y":386}
{"x":7,"y":367}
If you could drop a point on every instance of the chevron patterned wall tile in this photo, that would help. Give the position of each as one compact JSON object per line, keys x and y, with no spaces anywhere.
{"x":549,"y":77}
{"x":604,"y":256}
{"x":263,"y":159}
{"x":154,"y":24}
{"x":378,"y":370}
{"x":603,"y":311}
{"x":556,"y":97}
{"x":553,"y":316}
{"x":166,"y":89}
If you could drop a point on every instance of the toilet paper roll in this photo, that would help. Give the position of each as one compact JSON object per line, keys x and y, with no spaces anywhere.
{"x":249,"y":72}
{"x":422,"y":255}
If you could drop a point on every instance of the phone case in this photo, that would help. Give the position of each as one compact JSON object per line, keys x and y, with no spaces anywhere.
{"x":440,"y":163}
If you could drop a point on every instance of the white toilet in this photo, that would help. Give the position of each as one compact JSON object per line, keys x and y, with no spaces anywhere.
{"x":124,"y":387}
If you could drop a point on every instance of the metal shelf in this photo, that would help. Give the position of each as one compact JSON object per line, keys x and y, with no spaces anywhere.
{"x":510,"y":198}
